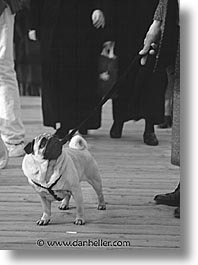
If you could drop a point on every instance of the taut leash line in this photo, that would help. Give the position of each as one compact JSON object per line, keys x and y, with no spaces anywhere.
{"x":108,"y":95}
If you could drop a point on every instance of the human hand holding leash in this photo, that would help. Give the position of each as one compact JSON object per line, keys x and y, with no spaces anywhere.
{"x":98,"y":19}
{"x":150,"y":45}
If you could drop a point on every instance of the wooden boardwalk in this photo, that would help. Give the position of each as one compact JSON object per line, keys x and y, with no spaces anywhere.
{"x":132,"y":174}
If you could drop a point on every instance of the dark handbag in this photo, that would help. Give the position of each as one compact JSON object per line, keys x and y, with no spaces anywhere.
{"x":107,"y":71}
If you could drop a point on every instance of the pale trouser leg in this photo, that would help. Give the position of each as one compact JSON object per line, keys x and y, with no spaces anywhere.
{"x":3,"y":154}
{"x":11,"y":126}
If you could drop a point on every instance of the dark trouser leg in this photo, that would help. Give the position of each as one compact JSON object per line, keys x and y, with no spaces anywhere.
{"x":149,"y":127}
{"x":116,"y":129}
{"x":149,"y":136}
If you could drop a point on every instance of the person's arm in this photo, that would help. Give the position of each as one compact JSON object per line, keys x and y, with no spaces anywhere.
{"x":109,"y":10}
{"x":98,"y":17}
{"x":153,"y":33}
{"x":108,"y":33}
{"x":150,"y":42}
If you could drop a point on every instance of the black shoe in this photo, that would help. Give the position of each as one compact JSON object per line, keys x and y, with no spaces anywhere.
{"x":61,"y":132}
{"x":150,"y":138}
{"x":166,"y":124}
{"x":177,"y":212}
{"x":171,"y":199}
{"x":83,"y":131}
{"x":116,"y":130}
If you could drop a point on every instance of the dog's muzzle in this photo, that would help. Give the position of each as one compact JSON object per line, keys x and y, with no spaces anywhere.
{"x":51,"y":145}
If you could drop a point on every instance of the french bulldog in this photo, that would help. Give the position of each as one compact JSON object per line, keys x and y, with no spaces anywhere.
{"x":59,"y":178}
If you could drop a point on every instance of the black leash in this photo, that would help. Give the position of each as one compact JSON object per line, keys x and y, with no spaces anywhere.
{"x":54,"y":145}
{"x":107,"y":96}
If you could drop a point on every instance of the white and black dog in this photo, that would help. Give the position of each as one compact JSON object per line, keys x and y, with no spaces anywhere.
{"x":55,"y":172}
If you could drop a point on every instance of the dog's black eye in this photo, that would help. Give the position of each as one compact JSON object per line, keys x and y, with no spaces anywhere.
{"x":43,"y":142}
{"x":29,"y":148}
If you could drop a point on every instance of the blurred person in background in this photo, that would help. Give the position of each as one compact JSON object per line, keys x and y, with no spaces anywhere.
{"x":70,"y":40}
{"x":164,"y":31}
{"x":27,"y":54}
{"x":11,"y":126}
{"x":142,"y":94}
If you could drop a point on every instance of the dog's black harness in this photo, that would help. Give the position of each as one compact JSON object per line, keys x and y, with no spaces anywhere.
{"x":49,"y":189}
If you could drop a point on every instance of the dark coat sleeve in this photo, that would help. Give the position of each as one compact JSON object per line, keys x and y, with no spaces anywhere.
{"x":109,"y":10}
{"x":97,"y":4}
{"x":36,"y":8}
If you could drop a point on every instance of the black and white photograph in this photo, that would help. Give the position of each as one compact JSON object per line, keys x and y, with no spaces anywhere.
{"x":90,"y":125}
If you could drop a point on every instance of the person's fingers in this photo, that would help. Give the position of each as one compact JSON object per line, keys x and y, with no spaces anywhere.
{"x":98,"y":19}
{"x":95,"y":17}
{"x":152,"y":52}
{"x":100,"y":22}
{"x":148,"y":42}
{"x":154,"y":45}
{"x":144,"y":60}
{"x":145,"y":49}
{"x":97,"y":25}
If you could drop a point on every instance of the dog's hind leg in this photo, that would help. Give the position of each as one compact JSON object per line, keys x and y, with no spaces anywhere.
{"x":65,"y":203}
{"x":77,"y":195}
{"x":96,"y":183}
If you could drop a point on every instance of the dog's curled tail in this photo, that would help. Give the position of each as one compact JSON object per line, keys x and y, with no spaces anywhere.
{"x":78,"y":142}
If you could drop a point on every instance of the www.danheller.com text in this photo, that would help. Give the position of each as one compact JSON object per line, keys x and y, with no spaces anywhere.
{"x":83,"y":243}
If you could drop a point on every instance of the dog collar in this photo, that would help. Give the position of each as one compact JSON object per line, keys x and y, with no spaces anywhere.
{"x":49,"y":189}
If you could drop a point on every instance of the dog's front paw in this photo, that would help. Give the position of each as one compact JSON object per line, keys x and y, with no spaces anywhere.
{"x":102,"y":207}
{"x":79,"y":221}
{"x":63,"y":207}
{"x":43,"y":222}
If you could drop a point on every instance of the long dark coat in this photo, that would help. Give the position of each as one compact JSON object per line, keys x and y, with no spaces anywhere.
{"x":142,"y":94}
{"x":70,"y":46}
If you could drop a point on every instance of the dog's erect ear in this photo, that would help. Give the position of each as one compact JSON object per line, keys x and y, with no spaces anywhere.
{"x":53,"y":149}
{"x":29,"y":148}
